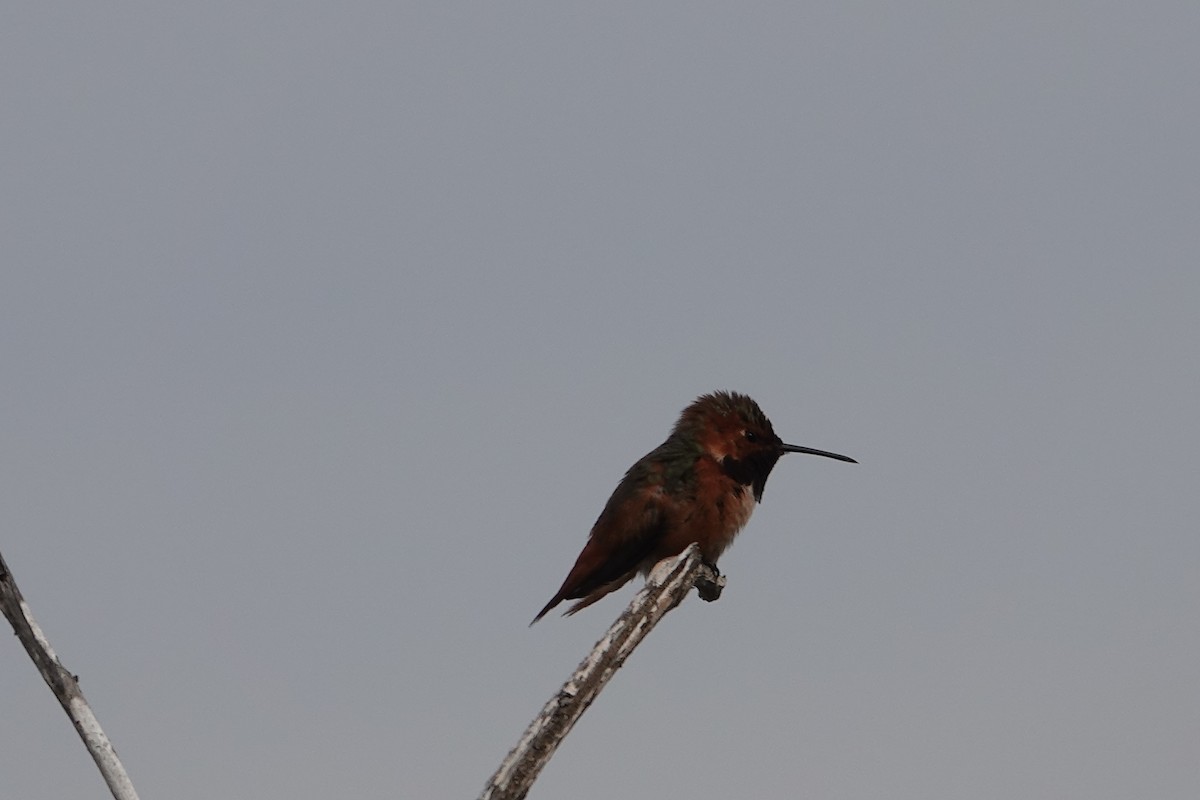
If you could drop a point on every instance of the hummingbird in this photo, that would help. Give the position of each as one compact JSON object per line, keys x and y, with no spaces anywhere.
{"x":700,"y":485}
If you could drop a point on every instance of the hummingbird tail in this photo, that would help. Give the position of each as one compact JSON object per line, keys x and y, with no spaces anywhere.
{"x":553,"y":602}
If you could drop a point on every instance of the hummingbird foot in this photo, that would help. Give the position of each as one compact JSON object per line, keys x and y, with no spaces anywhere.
{"x":710,"y":582}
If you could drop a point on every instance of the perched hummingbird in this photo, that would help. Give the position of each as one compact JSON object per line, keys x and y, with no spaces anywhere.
{"x":700,"y":485}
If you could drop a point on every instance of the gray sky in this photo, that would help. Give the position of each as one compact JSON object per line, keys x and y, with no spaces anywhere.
{"x":327,"y":329}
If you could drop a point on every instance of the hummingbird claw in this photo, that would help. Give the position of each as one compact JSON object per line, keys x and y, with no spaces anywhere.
{"x":710,"y":582}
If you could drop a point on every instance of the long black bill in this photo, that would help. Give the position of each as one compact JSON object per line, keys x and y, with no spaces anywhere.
{"x":795,"y":448}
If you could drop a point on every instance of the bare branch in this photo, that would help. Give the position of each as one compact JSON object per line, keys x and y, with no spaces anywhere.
{"x":64,"y":685}
{"x":666,"y":586}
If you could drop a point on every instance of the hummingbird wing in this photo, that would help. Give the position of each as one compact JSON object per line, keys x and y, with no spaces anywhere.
{"x":627,"y":533}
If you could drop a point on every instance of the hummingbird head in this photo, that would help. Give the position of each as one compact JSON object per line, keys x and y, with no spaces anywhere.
{"x":734,"y":431}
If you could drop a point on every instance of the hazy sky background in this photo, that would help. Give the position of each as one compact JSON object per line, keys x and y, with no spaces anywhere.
{"x":327,"y":328}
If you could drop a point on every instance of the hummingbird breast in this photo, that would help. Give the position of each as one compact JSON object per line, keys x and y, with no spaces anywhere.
{"x":712,"y":517}
{"x":733,"y":512}
{"x":741,"y":507}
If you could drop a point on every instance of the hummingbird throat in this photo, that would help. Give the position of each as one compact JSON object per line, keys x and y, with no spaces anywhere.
{"x":749,"y":472}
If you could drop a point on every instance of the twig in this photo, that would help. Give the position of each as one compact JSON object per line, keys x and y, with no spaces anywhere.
{"x":64,"y":685}
{"x":666,"y":586}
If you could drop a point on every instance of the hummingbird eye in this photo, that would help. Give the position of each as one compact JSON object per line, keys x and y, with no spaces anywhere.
{"x":751,"y":436}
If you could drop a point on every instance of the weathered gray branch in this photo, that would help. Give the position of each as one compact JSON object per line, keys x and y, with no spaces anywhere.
{"x":667,"y":585}
{"x":64,"y":685}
